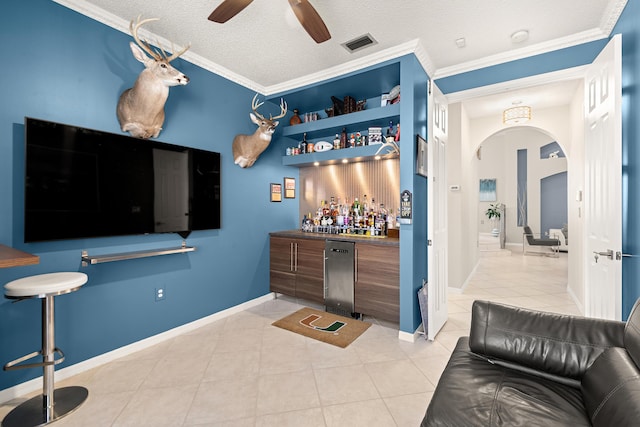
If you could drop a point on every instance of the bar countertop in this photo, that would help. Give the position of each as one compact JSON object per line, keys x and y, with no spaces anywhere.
{"x":10,"y":257}
{"x":374,"y":240}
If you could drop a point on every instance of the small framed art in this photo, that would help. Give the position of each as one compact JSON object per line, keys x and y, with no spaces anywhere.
{"x":276,"y":192}
{"x":421,"y":156}
{"x":289,"y":188}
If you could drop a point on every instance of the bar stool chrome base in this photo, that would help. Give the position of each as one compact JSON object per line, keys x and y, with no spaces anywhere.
{"x":32,"y":414}
{"x":53,"y":403}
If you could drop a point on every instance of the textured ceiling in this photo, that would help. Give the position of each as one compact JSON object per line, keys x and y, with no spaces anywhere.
{"x":264,"y":46}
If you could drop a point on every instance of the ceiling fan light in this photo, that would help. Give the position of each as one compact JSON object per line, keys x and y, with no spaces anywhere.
{"x":516,"y":115}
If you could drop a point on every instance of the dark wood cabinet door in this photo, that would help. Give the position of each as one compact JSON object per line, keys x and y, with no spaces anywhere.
{"x":281,"y":254}
{"x":282,"y":278}
{"x":310,"y":269}
{"x":377,"y":291}
{"x":297,"y":268}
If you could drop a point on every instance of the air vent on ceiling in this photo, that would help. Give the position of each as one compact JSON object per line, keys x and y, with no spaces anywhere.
{"x":359,"y":43}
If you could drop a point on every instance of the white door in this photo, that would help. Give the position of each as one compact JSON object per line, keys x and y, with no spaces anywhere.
{"x":437,"y":212}
{"x":603,"y":189}
{"x":171,"y":190}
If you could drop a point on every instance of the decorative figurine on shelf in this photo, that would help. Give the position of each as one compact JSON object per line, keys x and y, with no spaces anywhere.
{"x":295,"y":119}
{"x":247,"y":148}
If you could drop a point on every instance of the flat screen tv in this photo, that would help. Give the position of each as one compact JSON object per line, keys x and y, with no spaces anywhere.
{"x":84,"y":183}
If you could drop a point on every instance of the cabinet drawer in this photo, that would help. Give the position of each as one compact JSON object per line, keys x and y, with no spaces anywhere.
{"x":282,"y":282}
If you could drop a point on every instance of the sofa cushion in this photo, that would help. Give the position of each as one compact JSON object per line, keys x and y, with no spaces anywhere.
{"x":611,"y":390}
{"x":558,"y":345}
{"x":475,"y":392}
{"x":632,"y":334}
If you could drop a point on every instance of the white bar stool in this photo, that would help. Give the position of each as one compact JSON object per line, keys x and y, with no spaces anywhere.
{"x":52,"y":404}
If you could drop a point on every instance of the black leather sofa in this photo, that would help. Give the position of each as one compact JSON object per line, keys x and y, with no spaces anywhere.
{"x":522,"y":367}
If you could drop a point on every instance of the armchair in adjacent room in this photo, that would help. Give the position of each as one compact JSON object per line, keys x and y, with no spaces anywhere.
{"x":531,"y":240}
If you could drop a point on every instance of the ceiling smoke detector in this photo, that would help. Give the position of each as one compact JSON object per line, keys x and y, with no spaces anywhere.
{"x":359,"y":43}
{"x":520,"y":36}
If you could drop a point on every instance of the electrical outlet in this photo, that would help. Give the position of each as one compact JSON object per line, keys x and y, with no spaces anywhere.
{"x":161,"y":294}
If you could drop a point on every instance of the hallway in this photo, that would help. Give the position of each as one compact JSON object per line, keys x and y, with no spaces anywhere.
{"x":534,"y":282}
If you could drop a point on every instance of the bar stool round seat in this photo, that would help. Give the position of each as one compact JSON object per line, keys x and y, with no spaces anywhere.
{"x":52,"y":404}
{"x":45,"y":284}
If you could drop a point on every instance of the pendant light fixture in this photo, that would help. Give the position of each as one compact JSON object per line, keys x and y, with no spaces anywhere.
{"x":517,"y":114}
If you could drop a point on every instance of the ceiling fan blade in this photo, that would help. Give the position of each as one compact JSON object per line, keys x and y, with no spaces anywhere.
{"x":228,"y":9}
{"x":310,"y":20}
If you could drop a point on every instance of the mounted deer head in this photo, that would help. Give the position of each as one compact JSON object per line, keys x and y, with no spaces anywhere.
{"x":141,"y":108}
{"x":247,"y":148}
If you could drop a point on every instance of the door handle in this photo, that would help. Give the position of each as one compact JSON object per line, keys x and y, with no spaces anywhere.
{"x":608,"y":253}
{"x":620,"y":255}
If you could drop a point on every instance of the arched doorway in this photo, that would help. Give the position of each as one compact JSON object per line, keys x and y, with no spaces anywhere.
{"x":528,"y":169}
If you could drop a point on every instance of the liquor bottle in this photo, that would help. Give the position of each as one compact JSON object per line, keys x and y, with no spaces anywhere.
{"x":398,"y":133}
{"x":333,"y":209}
{"x":389,"y":137}
{"x":390,"y":220}
{"x":356,"y":207}
{"x":352,"y":141}
{"x":365,"y":205}
{"x":358,"y":139}
{"x":295,"y":119}
{"x":336,"y":142}
{"x":381,"y":221}
{"x":343,"y":138}
{"x":303,"y":144}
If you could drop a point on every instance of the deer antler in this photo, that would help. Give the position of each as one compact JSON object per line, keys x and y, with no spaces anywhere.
{"x":255,"y":105}
{"x":283,"y":110}
{"x":142,"y":43}
{"x":158,"y":56}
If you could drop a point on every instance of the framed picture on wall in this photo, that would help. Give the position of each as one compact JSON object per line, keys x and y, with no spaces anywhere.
{"x":421,"y":156}
{"x":289,"y":188}
{"x":488,"y":190}
{"x":276,"y":192}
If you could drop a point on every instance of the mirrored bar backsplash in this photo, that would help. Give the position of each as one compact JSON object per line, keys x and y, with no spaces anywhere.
{"x":379,"y":180}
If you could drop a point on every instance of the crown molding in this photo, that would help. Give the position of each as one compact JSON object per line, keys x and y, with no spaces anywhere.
{"x":611,"y":15}
{"x":345,"y":68}
{"x":536,"y":80}
{"x":87,"y":9}
{"x":513,"y":55}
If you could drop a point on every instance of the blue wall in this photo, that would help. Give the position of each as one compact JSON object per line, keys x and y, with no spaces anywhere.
{"x":64,"y":67}
{"x":580,"y":55}
{"x":553,"y":202}
{"x":628,"y":26}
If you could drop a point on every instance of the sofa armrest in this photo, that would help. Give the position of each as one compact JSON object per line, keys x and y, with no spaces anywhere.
{"x":560,"y":345}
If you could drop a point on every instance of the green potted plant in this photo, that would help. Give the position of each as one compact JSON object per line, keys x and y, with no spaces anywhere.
{"x":494,"y":212}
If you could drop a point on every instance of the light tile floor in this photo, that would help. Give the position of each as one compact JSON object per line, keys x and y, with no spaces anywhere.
{"x":241,"y":371}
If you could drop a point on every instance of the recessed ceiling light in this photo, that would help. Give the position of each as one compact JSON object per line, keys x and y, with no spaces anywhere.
{"x":461,"y":42}
{"x":520,"y":36}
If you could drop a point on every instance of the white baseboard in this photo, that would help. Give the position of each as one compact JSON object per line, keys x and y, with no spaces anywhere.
{"x":576,"y":301}
{"x":64,"y":373}
{"x":410,"y":337}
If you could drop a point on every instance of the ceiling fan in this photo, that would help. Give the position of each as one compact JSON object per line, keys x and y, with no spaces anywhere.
{"x":304,"y":11}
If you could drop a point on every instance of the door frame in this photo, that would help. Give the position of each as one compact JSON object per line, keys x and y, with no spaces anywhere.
{"x":574,"y":73}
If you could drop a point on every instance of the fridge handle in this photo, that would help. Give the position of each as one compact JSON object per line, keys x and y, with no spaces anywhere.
{"x":355,"y":264}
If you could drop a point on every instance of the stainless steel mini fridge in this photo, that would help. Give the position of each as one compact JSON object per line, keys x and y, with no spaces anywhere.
{"x":339,"y":271}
